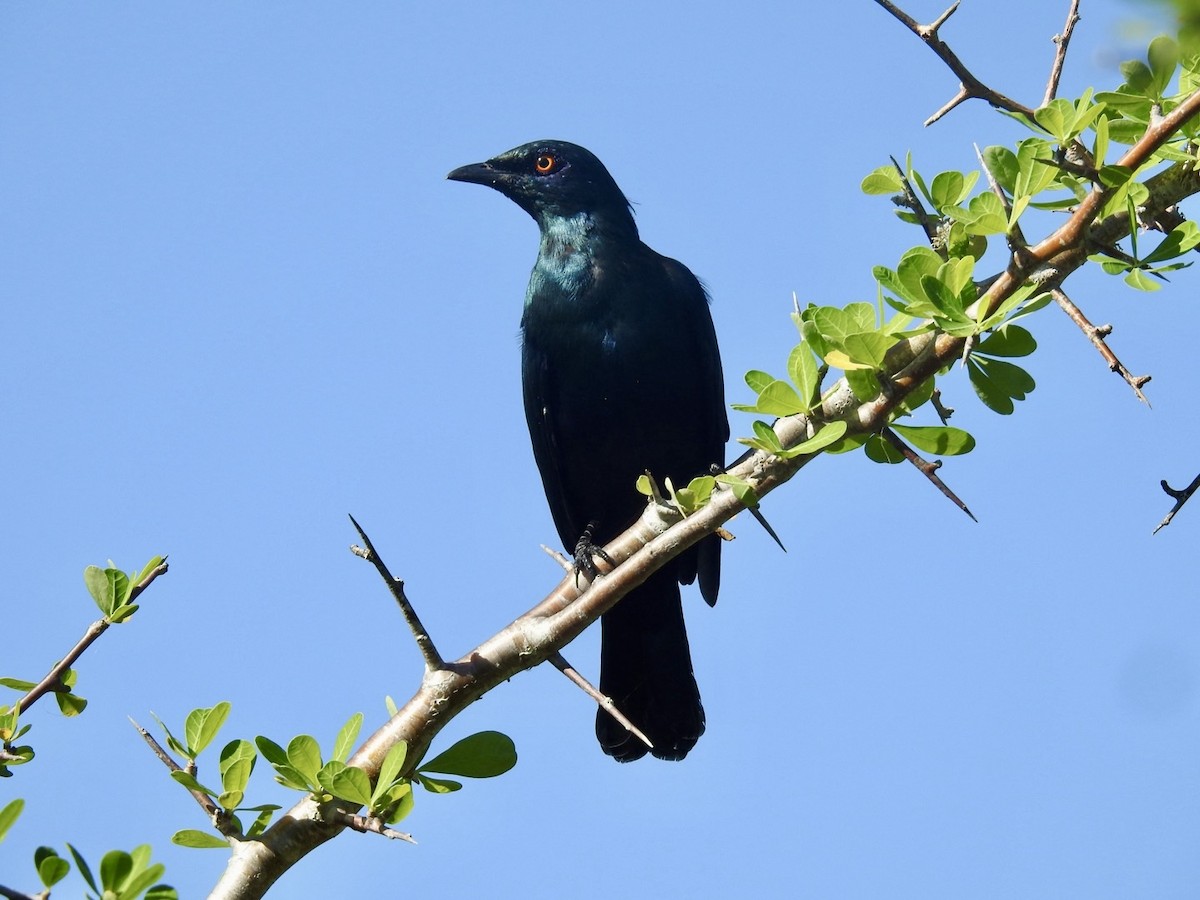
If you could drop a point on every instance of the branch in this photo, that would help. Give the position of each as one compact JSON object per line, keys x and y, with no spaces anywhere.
{"x":970,"y":87}
{"x":10,"y":894}
{"x":433,"y":659}
{"x":214,"y":812}
{"x":606,"y":703}
{"x":660,"y":535}
{"x":1181,"y":497}
{"x":375,"y":825}
{"x":926,"y":468}
{"x":53,"y":682}
{"x":1060,"y":53}
{"x":1097,"y":336}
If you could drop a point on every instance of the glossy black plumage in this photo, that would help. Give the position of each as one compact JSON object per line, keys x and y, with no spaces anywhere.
{"x":621,"y":374}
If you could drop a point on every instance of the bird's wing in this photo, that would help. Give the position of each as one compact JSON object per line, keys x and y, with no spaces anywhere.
{"x":541,"y":405}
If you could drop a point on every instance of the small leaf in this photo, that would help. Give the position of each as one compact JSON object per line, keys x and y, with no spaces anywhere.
{"x":482,"y":755}
{"x":200,"y":840}
{"x":757,"y":380}
{"x":780,"y":399}
{"x":938,"y":439}
{"x":236,"y":764}
{"x":18,"y":685}
{"x":189,"y":781}
{"x":802,"y":369}
{"x":743,"y":490}
{"x":84,"y":871}
{"x":438,"y":785}
{"x":344,"y":742}
{"x":69,"y":705}
{"x":881,"y":450}
{"x":51,"y":867}
{"x":100,"y":586}
{"x":115,"y":868}
{"x":304,"y":755}
{"x":350,"y":783}
{"x":830,"y":433}
{"x":1009,"y":340}
{"x":9,"y":814}
{"x":884,"y":180}
{"x":1139,"y":279}
{"x":389,"y":772}
{"x":397,"y":804}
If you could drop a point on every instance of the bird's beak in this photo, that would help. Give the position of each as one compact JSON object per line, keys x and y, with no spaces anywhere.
{"x":476,"y":173}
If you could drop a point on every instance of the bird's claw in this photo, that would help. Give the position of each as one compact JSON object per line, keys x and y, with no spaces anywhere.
{"x":586,"y":554}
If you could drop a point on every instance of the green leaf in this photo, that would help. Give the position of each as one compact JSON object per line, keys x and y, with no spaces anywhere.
{"x":122,"y":613}
{"x":1053,"y":118}
{"x":1182,"y":239}
{"x":881,"y":450}
{"x":743,"y":490}
{"x":115,"y":868}
{"x":1002,"y":164}
{"x":84,"y":871}
{"x":802,"y":369}
{"x":396,"y":804}
{"x":200,"y":840}
{"x":1139,"y":279}
{"x":1008,"y":340}
{"x":18,"y":685}
{"x":237,"y":763}
{"x":830,"y":433}
{"x":51,"y":867}
{"x":868,"y":348}
{"x":1100,"y":147}
{"x":438,"y":785}
{"x":189,"y":781}
{"x":643,"y":486}
{"x":202,"y":726}
{"x":884,"y":180}
{"x":100,"y":585}
{"x":162,"y":892}
{"x":260,"y":823}
{"x":69,"y":705}
{"x":389,"y":772}
{"x":344,"y":742}
{"x":9,"y":814}
{"x":780,"y":399}
{"x":349,"y":783}
{"x":758,"y":381}
{"x":304,"y":755}
{"x":1163,"y":56}
{"x":941,"y":440}
{"x":482,"y":755}
{"x":864,"y":383}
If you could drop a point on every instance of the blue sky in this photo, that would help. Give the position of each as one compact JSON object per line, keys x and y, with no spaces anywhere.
{"x":241,"y":301}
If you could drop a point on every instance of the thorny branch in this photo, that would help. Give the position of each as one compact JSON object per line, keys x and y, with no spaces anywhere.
{"x":1097,"y":335}
{"x":969,"y":87}
{"x":433,"y":659}
{"x":926,"y":468}
{"x":660,"y":535}
{"x":1060,"y":52}
{"x":1180,"y":496}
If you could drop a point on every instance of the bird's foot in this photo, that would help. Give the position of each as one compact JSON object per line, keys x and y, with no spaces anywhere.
{"x":586,"y":554}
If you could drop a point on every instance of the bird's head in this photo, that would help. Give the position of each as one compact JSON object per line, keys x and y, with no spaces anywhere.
{"x":551,"y":179}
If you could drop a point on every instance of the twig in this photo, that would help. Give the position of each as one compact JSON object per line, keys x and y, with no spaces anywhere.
{"x":214,"y":812}
{"x":1097,"y":336}
{"x":1060,"y":53}
{"x":928,"y":469}
{"x":433,"y":659}
{"x":53,"y":682}
{"x":10,"y":894}
{"x":970,"y":87}
{"x":567,"y":565}
{"x":1181,"y":497}
{"x":374,"y":825}
{"x":944,"y":412}
{"x":606,"y":703}
{"x":914,"y":204}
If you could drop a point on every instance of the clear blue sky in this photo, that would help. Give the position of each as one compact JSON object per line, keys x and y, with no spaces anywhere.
{"x":240,"y":301}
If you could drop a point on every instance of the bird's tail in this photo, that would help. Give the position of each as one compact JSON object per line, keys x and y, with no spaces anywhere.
{"x":646,"y":668}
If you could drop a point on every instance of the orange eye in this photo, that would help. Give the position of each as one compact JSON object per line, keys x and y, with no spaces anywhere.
{"x":545,"y":164}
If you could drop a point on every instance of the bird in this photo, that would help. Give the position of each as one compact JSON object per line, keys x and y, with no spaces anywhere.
{"x":621,"y":375}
